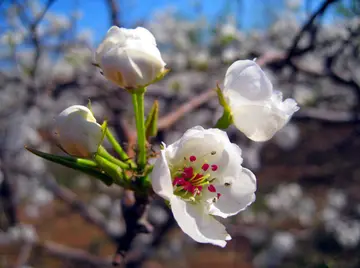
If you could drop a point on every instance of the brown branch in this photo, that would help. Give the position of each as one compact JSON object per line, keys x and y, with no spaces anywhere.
{"x":24,"y":254}
{"x":326,"y":116}
{"x":131,"y":137}
{"x":90,"y":214}
{"x":168,"y":120}
{"x":331,"y":60}
{"x":35,"y":37}
{"x":307,"y":26}
{"x":7,"y":198}
{"x":137,"y":257}
{"x":72,"y":254}
{"x":32,"y":90}
{"x":113,"y":12}
{"x":56,"y":250}
{"x":135,"y":215}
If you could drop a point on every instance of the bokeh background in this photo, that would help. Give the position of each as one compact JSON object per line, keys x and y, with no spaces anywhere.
{"x":307,"y":212}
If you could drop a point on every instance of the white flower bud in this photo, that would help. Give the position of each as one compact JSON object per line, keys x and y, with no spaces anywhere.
{"x":129,"y":57}
{"x":77,"y":131}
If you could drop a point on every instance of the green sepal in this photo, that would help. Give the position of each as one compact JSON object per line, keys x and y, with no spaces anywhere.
{"x":89,"y":106}
{"x":142,"y":88}
{"x":160,"y":76}
{"x":226,"y":119}
{"x":104,"y":127}
{"x":152,"y":120}
{"x":86,"y":166}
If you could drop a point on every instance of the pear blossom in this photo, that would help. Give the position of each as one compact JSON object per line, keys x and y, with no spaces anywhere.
{"x":257,"y":110}
{"x":201,"y":176}
{"x":130,"y":57}
{"x":77,"y":131}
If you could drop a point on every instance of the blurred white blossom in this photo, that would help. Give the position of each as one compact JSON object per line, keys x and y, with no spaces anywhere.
{"x":288,"y":137}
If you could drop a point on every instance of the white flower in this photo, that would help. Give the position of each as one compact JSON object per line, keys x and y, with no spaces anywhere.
{"x":77,"y":131}
{"x":130,"y":57}
{"x":257,"y":110}
{"x":201,"y":177}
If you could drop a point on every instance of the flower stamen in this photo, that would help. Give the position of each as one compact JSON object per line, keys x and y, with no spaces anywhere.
{"x":189,"y":181}
{"x":212,"y":188}
{"x":192,"y":158}
{"x":205,"y":167}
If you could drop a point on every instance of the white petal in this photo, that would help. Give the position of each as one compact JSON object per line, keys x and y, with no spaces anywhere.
{"x":236,"y":196}
{"x":199,"y":226}
{"x":161,"y":178}
{"x":172,"y":149}
{"x":230,"y":165}
{"x":202,"y":145}
{"x":245,"y":80}
{"x":259,"y":122}
{"x":80,"y":110}
{"x":145,"y":35}
{"x":114,"y":36}
{"x":288,"y":106}
{"x":147,"y":55}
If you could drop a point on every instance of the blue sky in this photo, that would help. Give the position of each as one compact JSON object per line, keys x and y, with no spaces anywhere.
{"x":95,"y":12}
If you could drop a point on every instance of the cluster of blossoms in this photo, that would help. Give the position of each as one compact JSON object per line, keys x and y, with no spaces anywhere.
{"x":200,"y":175}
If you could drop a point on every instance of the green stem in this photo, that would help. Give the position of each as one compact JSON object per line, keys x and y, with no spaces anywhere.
{"x":138,"y":102}
{"x":105,"y":154}
{"x":112,"y":170}
{"x":118,"y":149}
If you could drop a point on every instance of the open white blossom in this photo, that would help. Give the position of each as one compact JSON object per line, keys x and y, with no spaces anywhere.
{"x":201,"y":176}
{"x":129,"y":57}
{"x":258,"y":111}
{"x":77,"y":131}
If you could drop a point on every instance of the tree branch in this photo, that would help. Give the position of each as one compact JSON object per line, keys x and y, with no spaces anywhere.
{"x":90,"y":214}
{"x":113,"y":12}
{"x":307,"y":26}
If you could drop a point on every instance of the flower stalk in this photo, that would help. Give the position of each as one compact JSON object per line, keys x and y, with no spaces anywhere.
{"x":113,"y":170}
{"x":138,"y":103}
{"x":119,"y":150}
{"x":105,"y":154}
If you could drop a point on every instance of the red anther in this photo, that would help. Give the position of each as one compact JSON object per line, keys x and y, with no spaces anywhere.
{"x":205,"y":167}
{"x":218,"y":195}
{"x":212,"y":188}
{"x":189,"y":187}
{"x":214,"y":167}
{"x":178,"y":181}
{"x":188,"y":172}
{"x":192,"y":158}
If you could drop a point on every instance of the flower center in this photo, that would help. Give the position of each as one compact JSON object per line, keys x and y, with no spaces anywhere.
{"x":190,"y":182}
